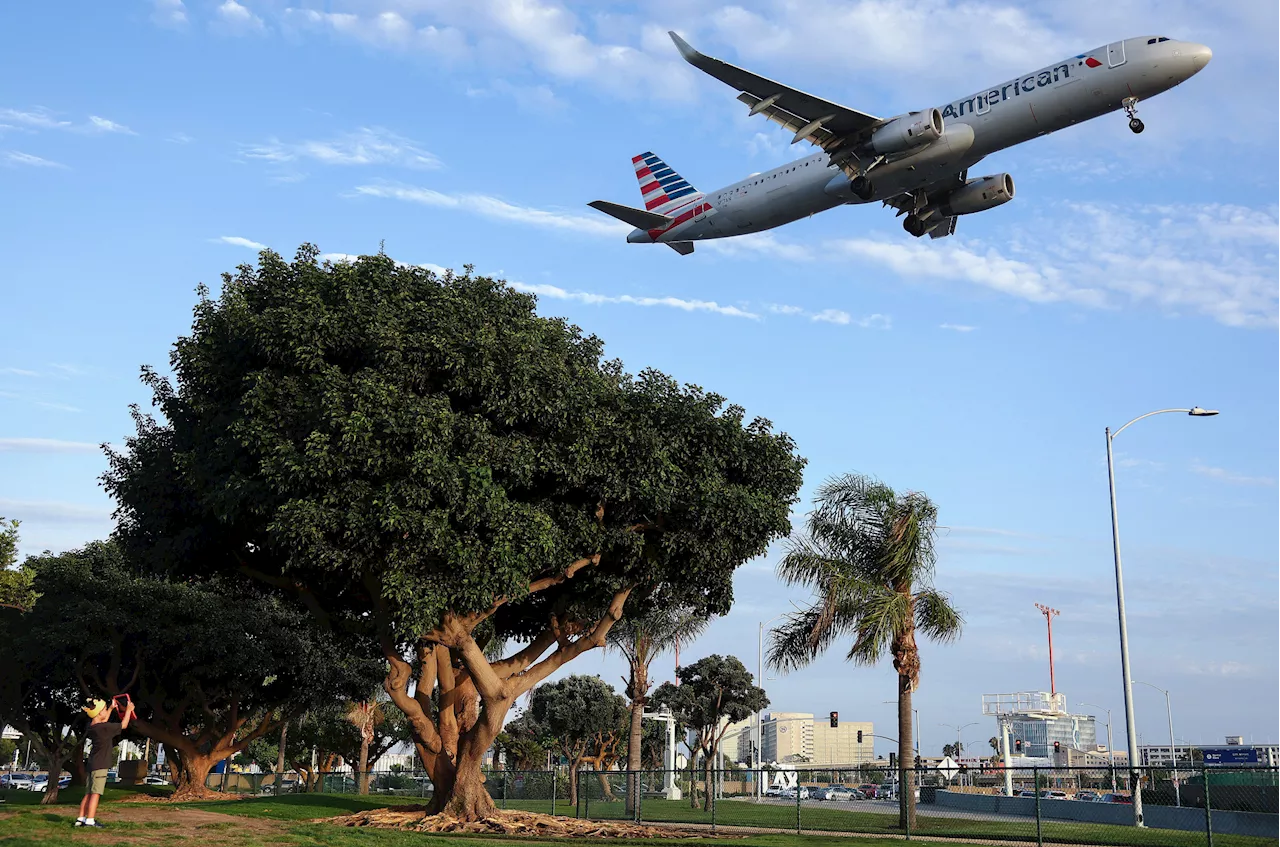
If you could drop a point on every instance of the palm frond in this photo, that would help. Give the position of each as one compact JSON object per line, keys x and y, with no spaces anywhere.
{"x":881,"y":615}
{"x":936,"y":617}
{"x":799,"y":640}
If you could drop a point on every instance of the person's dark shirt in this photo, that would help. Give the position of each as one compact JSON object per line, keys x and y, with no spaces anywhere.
{"x":103,"y":737}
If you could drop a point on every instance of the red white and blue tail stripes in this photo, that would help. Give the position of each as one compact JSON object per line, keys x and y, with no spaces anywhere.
{"x":660,"y":186}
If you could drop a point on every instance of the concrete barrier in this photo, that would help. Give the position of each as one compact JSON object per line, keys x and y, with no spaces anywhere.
{"x":1118,"y":814}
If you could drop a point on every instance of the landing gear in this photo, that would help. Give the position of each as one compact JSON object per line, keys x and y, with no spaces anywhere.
{"x":1130,"y":105}
{"x":862,"y":187}
{"x":913,"y":225}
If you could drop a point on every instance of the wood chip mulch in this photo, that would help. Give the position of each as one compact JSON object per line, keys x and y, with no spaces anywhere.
{"x":416,"y":819}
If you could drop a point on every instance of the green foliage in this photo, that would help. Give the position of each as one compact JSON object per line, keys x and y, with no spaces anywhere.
{"x":524,"y":742}
{"x":869,"y":556}
{"x":15,"y":582}
{"x":711,"y":690}
{"x":209,"y":670}
{"x":371,"y":434}
{"x":577,"y":714}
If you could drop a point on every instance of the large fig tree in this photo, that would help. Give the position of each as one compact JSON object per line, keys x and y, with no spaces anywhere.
{"x":424,"y":455}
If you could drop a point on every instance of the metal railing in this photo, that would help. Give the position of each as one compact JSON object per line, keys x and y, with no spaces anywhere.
{"x":1078,"y":805}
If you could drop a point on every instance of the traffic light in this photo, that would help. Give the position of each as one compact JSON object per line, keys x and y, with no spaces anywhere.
{"x":893,"y":759}
{"x":917,"y":761}
{"x":1057,"y":745}
{"x":1017,"y":744}
{"x":835,"y":719}
{"x":859,"y":736}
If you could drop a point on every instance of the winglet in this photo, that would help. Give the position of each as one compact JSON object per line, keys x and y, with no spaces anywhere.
{"x":690,"y":55}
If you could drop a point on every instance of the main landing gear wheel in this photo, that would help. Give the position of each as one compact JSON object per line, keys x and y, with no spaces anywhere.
{"x":862,"y":188}
{"x":913,"y":225}
{"x":1130,"y":105}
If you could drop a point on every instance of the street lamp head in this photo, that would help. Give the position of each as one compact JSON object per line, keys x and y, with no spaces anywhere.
{"x":1197,"y":412}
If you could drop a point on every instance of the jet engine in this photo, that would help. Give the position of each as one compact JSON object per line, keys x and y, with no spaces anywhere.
{"x":907,"y":132}
{"x":977,"y":195}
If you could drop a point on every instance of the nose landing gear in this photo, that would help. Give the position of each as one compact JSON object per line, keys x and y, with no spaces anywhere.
{"x":1130,"y":105}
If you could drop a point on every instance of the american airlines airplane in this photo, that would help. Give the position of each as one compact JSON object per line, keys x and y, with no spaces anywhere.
{"x":917,"y":163}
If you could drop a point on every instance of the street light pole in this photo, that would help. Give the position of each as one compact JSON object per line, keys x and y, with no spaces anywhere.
{"x":917,"y":715}
{"x":759,"y":756}
{"x":958,"y":730}
{"x":1111,"y":752}
{"x":1131,"y":730}
{"x":1173,"y":752}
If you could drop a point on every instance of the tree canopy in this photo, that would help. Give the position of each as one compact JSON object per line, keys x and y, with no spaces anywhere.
{"x":713,"y":692}
{"x":209,"y":671}
{"x":15,"y":581}
{"x":425,"y":454}
{"x":586,"y":721}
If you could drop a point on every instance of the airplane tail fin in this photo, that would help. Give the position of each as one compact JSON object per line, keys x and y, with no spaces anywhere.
{"x":660,"y":186}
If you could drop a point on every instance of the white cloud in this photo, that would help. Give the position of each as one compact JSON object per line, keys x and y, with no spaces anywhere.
{"x":45,"y":445}
{"x":170,"y":13}
{"x":484,"y":205}
{"x":385,"y":30}
{"x":832,"y":316}
{"x":366,"y":146}
{"x":1217,"y":260}
{"x":236,"y":19}
{"x":38,"y":118}
{"x":1224,"y":475}
{"x":15,"y":158}
{"x":779,"y":309}
{"x":18,"y":372}
{"x":557,"y":293}
{"x":179,"y":138}
{"x":237,"y":241}
{"x":53,"y":512}
{"x":876,"y":321}
{"x":957,"y":327}
{"x":97,"y":124}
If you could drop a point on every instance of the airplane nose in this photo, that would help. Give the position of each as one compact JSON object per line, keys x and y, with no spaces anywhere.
{"x":1200,"y":56}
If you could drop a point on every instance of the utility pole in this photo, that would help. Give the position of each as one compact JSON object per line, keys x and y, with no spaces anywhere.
{"x":1049,"y":615}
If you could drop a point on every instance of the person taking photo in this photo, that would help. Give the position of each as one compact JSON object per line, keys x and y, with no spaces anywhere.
{"x":102,"y":735}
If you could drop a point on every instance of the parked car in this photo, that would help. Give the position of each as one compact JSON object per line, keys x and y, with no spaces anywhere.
{"x":20,"y":780}
{"x":1087,"y":796}
{"x":839,"y":792}
{"x":774,"y":791}
{"x":869,"y":790}
{"x":1115,"y":798}
{"x":155,"y":780}
{"x":790,"y":793}
{"x":113,"y":775}
{"x":42,"y":783}
{"x":1026,"y":793}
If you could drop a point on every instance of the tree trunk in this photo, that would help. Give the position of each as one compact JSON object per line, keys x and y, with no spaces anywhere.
{"x":693,"y":779}
{"x":76,"y":766}
{"x":906,"y":757}
{"x":574,"y":766}
{"x":364,"y":764}
{"x":707,"y":789}
{"x":54,"y":763}
{"x":606,"y":790}
{"x":635,"y":740}
{"x":284,"y":737}
{"x":193,"y":772}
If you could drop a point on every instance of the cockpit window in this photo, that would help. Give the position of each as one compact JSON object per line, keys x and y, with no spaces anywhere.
{"x":1156,"y":40}
{"x":1162,"y":38}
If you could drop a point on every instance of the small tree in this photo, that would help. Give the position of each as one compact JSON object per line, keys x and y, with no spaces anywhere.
{"x":713,"y":693}
{"x":868,"y":556}
{"x":15,"y":582}
{"x":581,"y":714}
{"x":524,"y":742}
{"x":364,"y":716}
{"x":210,"y":672}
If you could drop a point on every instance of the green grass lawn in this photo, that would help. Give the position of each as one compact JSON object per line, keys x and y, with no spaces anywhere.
{"x":22,"y":824}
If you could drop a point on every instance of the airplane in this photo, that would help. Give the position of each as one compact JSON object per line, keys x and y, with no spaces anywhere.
{"x":917,"y":162}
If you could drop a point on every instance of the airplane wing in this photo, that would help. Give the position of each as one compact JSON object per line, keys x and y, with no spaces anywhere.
{"x":812,"y":119}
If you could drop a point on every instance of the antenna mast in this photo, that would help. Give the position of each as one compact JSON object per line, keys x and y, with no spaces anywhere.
{"x":1049,"y":615}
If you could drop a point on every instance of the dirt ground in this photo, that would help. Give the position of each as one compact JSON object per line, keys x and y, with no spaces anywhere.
{"x":148,"y":823}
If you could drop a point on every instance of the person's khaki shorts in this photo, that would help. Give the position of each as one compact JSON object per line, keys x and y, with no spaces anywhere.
{"x":97,"y":782}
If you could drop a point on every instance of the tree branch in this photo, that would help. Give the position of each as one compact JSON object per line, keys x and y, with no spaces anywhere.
{"x":522,"y":682}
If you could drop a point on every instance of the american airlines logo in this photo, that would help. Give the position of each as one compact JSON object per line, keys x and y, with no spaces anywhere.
{"x":1015,"y":88}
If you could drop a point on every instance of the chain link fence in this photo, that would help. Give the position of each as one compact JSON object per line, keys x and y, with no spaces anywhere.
{"x":1202,"y":807}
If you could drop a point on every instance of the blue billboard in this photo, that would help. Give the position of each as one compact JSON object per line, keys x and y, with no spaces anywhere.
{"x":1231,"y":756}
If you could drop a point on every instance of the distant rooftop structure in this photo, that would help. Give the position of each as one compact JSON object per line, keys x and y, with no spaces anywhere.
{"x":1025,"y":704}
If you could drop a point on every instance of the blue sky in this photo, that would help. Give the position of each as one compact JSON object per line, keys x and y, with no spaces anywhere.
{"x":146,"y":147}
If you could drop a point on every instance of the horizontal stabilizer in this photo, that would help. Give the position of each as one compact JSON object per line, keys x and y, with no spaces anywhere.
{"x":684,"y":248}
{"x":636,"y":217}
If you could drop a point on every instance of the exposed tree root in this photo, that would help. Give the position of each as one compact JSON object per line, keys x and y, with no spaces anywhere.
{"x":415,"y":818}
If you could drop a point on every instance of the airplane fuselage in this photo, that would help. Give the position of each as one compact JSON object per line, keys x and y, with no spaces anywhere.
{"x":1013,"y":111}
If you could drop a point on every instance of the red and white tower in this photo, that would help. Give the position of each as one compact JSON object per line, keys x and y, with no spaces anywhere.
{"x":1049,"y":615}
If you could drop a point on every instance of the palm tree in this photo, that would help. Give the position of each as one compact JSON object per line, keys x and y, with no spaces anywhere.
{"x":365,"y":715}
{"x":868,"y":556}
{"x":641,"y":640}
